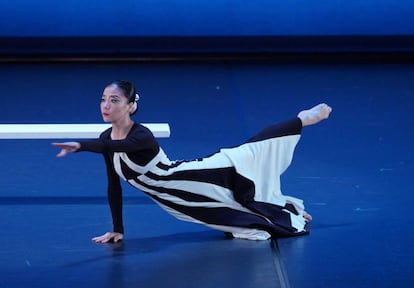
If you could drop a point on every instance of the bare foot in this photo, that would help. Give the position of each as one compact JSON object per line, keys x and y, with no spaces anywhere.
{"x":307,"y":216}
{"x":315,"y":114}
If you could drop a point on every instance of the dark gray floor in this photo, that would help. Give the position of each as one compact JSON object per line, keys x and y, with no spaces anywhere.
{"x":353,"y":172}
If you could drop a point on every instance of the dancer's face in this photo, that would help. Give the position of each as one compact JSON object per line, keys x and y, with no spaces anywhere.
{"x":114,"y":105}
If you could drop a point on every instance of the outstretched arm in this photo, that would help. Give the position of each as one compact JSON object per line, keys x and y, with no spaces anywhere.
{"x":67,"y":147}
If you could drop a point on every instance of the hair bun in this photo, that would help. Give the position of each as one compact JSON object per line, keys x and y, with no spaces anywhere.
{"x":135,"y":105}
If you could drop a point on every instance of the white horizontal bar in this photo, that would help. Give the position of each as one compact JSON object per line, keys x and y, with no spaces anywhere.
{"x":67,"y":131}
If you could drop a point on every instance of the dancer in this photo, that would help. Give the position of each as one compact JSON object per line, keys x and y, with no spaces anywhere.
{"x":235,"y":190}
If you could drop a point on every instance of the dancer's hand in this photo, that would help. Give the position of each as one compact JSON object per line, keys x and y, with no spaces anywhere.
{"x":109,"y":237}
{"x":67,"y":147}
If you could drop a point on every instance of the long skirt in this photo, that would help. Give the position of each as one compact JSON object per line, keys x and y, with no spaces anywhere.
{"x":236,"y":190}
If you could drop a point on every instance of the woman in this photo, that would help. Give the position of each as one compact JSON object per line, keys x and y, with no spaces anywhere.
{"x":236,"y":190}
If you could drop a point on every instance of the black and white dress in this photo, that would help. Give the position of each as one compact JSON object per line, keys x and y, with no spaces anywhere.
{"x":235,"y":190}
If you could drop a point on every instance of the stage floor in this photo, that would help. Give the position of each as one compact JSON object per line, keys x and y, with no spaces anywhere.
{"x":353,"y":172}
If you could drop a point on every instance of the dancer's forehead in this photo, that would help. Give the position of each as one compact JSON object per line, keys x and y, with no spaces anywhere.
{"x":113,"y":91}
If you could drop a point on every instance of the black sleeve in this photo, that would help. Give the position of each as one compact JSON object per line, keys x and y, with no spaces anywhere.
{"x":114,"y":195}
{"x":141,"y":147}
{"x":138,"y":139}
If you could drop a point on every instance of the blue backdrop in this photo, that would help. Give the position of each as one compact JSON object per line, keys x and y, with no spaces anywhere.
{"x":206,"y":18}
{"x":119,"y":25}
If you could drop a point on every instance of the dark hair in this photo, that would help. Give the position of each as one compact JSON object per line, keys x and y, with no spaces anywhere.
{"x":129,"y":91}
